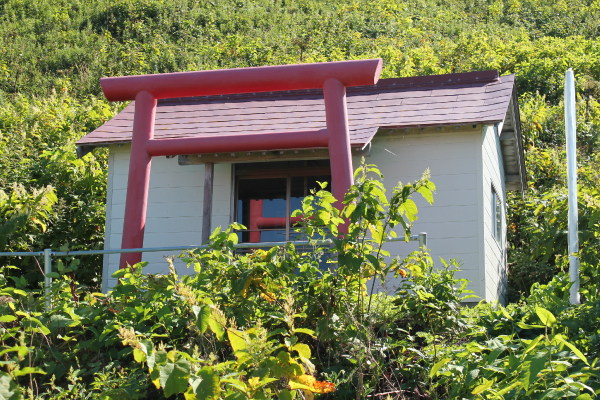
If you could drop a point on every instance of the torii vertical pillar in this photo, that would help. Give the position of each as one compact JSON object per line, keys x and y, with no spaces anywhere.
{"x":336,"y":114}
{"x":139,"y":178}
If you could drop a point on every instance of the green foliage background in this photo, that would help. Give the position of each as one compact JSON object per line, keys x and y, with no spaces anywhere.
{"x":53,"y":52}
{"x":52,"y":55}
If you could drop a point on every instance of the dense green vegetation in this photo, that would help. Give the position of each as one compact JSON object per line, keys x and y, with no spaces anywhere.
{"x":52,"y":54}
{"x":274,"y":324}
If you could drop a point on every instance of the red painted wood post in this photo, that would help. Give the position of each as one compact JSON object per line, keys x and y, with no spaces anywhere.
{"x":256,"y":210}
{"x":336,"y":115}
{"x":139,"y":178}
{"x":242,"y":80}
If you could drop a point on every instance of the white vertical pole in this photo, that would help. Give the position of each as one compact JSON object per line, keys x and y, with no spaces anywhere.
{"x":47,"y":279}
{"x":570,"y":128}
{"x":422,"y":241}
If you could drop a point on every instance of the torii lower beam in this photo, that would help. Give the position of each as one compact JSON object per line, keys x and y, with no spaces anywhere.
{"x":332,"y":77}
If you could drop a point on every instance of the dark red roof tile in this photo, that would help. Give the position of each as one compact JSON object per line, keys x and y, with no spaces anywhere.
{"x":466,"y":98}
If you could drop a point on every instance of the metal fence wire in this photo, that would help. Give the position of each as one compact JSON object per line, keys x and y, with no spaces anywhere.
{"x":49,"y":253}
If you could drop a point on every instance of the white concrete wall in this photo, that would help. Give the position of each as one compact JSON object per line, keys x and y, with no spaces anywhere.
{"x":452,"y":223}
{"x":463,"y":163}
{"x":174,"y":214}
{"x":494,"y":255}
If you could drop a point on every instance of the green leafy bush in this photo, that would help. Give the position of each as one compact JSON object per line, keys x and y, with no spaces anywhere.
{"x":431,"y":297}
{"x":243,"y":326}
{"x":274,"y":324}
{"x":53,"y":56}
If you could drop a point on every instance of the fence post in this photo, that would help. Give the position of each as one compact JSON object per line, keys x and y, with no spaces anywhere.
{"x":422,"y":241}
{"x":47,"y":279}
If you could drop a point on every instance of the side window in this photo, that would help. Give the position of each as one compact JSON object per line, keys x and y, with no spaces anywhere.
{"x":496,"y":215}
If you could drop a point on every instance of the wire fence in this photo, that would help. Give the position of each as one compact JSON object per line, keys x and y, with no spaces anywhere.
{"x":49,"y":253}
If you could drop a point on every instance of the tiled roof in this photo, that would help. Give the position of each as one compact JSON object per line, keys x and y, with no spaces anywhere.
{"x":453,"y":99}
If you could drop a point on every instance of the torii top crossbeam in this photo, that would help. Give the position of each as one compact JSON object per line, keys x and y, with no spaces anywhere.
{"x":332,"y":77}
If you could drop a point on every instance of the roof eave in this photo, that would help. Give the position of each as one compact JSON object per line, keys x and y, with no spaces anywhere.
{"x":511,"y":139}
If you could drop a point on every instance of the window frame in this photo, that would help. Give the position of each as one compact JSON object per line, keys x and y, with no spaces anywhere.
{"x":496,"y":212}
{"x":281,"y":173}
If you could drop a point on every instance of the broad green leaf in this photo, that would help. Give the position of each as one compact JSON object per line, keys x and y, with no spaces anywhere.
{"x":29,"y":370}
{"x":217,"y":328}
{"x":286,"y":366}
{"x":189,"y":394}
{"x":54,"y":275}
{"x":236,"y":338}
{"x":553,"y":394}
{"x":582,"y":386}
{"x":471,"y":376}
{"x":475,"y":347}
{"x":436,"y":367}
{"x":174,"y":376}
{"x":532,"y":368}
{"x":483,"y":387}
{"x":297,"y":385}
{"x":235,"y":383}
{"x":9,"y":390}
{"x":7,"y":318}
{"x":302,"y":349}
{"x":286,"y":395}
{"x":411,"y":209}
{"x":350,"y":209}
{"x":373,"y":168}
{"x":506,"y":314}
{"x":58,"y":321}
{"x":426,"y":193}
{"x":233,"y":237}
{"x":507,"y":389}
{"x":262,"y":382}
{"x":278,"y":331}
{"x":324,"y":216}
{"x":202,"y":315}
{"x":209,"y":388}
{"x":156,"y":359}
{"x":305,"y":330}
{"x":120,"y":273}
{"x":139,"y":355}
{"x":377,"y":231}
{"x":241,"y":285}
{"x":165,"y":313}
{"x":573,"y":348}
{"x":380,"y":195}
{"x":147,"y":347}
{"x":532,"y":345}
{"x":584,"y":396}
{"x":523,"y":325}
{"x":21,"y":350}
{"x":545,"y":316}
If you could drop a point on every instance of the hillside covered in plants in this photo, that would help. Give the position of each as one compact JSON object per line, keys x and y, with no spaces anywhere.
{"x":53,"y":55}
{"x":231,"y":337}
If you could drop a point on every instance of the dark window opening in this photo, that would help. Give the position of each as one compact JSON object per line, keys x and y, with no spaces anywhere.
{"x":267,"y":193}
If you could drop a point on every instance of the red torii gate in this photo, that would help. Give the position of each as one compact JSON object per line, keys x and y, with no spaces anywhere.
{"x":332,"y":77}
